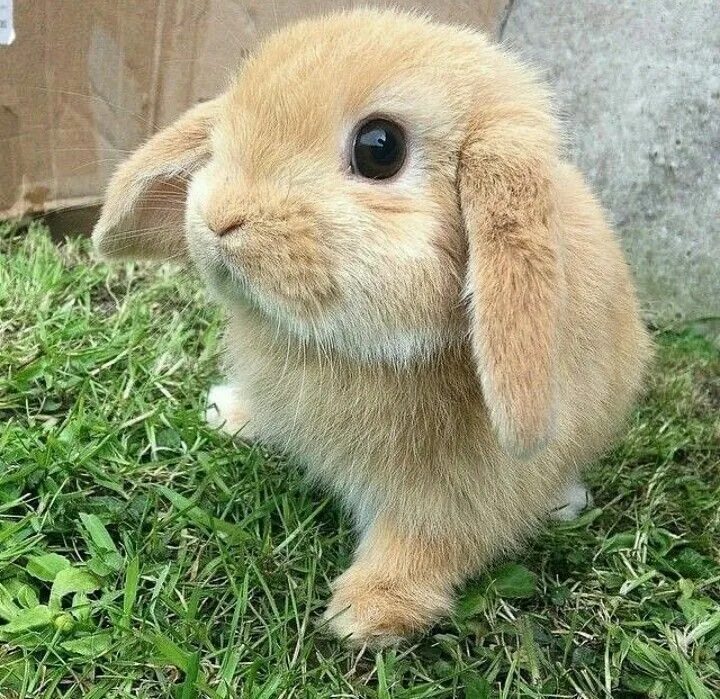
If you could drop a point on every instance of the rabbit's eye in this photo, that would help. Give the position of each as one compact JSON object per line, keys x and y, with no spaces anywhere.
{"x":379,"y":149}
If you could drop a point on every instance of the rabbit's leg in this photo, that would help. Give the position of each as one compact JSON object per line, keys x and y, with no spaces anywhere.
{"x":225,"y":411}
{"x":398,"y":585}
{"x":572,"y":501}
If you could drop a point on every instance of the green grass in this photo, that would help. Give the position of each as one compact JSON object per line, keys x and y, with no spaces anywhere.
{"x":143,"y":555}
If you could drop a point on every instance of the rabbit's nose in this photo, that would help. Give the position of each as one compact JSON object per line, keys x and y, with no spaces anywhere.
{"x":223,"y":227}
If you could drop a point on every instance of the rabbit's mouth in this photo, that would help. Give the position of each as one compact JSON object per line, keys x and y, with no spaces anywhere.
{"x":329,"y":324}
{"x":241,"y":271}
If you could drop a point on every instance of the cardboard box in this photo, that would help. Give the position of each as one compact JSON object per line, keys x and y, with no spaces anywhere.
{"x":85,"y":81}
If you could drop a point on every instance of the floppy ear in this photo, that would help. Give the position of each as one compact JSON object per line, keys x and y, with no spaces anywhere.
{"x":514,"y":276}
{"x":143,"y":212}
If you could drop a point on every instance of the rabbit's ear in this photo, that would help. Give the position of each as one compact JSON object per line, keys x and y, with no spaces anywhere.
{"x":514,"y":277}
{"x":143,"y":212}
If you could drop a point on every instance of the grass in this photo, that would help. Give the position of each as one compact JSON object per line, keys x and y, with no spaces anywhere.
{"x":143,"y":555}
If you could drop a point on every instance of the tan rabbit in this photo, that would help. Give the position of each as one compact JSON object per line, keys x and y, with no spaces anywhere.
{"x":426,"y":305}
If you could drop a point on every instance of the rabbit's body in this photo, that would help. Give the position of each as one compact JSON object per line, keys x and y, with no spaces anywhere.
{"x":414,"y":438}
{"x":443,"y":343}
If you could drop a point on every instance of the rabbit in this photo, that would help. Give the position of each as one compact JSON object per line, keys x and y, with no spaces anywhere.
{"x":426,"y":306}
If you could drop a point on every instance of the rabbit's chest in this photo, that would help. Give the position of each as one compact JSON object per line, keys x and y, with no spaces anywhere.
{"x":312,"y":410}
{"x":334,"y":413}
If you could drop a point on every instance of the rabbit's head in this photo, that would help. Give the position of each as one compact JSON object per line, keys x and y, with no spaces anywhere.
{"x":379,"y":185}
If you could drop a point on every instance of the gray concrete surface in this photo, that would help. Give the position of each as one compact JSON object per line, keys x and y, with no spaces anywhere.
{"x":638,"y":84}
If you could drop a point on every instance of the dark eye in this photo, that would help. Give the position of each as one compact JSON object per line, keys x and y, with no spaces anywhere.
{"x":379,"y":149}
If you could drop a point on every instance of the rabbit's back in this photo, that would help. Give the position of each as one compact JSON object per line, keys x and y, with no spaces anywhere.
{"x":604,"y":345}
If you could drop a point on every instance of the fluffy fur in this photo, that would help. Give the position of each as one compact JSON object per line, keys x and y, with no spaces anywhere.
{"x":443,"y":349}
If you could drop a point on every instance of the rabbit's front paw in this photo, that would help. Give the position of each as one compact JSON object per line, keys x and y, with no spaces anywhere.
{"x":225,"y":411}
{"x":370,"y":609}
{"x":572,"y":501}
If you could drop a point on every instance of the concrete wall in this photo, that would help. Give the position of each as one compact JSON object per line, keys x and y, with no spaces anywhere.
{"x":638,"y":83}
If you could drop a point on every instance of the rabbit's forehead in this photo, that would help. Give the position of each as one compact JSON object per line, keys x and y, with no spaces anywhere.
{"x":303,"y":94}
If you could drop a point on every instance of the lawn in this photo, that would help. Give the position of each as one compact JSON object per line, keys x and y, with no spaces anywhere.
{"x":144,"y":555}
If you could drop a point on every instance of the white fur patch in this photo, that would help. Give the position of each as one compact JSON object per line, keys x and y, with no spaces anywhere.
{"x":221,"y":405}
{"x":367,"y":340}
{"x":573,"y":500}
